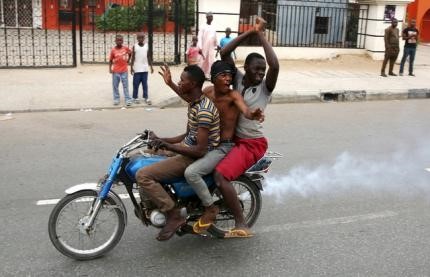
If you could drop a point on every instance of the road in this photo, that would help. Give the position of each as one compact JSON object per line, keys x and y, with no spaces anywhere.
{"x":349,"y":198}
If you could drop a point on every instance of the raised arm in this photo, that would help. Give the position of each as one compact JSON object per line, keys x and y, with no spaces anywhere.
{"x":272,"y":61}
{"x":226,"y":51}
{"x":167,"y":76}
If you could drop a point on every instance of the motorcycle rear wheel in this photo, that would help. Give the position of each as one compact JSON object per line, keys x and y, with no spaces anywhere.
{"x":70,"y":214}
{"x":250,"y":199}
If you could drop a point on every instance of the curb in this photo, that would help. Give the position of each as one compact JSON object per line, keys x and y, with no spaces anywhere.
{"x":285,"y":98}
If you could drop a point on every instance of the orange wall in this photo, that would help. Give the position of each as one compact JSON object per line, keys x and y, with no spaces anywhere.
{"x":417,"y":10}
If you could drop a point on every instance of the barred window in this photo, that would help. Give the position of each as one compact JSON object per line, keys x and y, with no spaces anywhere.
{"x":16,"y":13}
{"x":321,"y":25}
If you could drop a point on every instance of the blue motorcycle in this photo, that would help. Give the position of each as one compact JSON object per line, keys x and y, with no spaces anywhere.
{"x":90,"y":220}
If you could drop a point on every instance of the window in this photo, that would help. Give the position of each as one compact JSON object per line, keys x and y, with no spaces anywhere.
{"x":65,"y":4}
{"x":16,"y":13}
{"x":321,"y":25}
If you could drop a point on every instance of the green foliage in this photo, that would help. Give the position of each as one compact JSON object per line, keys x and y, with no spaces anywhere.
{"x":189,"y":21}
{"x":133,"y":18}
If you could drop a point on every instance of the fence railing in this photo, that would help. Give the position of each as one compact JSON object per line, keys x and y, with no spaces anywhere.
{"x":33,"y":34}
{"x":309,"y":24}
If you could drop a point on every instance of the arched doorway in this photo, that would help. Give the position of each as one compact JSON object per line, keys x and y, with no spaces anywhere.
{"x":425,"y":27}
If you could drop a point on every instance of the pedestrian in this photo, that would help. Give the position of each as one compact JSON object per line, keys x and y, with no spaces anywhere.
{"x":223,"y":41}
{"x":207,"y":44}
{"x":193,"y":53}
{"x":409,"y":35}
{"x":118,"y":66}
{"x":391,"y":39}
{"x":141,"y":62}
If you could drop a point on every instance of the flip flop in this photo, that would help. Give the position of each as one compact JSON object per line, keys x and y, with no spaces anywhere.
{"x":200,"y":227}
{"x":238,"y":233}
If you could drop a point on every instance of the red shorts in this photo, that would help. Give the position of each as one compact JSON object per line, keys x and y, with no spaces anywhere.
{"x":244,"y":154}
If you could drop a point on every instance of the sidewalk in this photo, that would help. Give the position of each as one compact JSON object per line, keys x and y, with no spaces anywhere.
{"x":346,"y":78}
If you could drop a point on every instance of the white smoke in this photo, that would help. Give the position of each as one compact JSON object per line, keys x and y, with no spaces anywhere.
{"x":401,"y":173}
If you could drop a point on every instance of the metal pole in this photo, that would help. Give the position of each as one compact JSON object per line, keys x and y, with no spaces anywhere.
{"x":186,"y":28}
{"x":81,"y":49}
{"x":150,"y":28}
{"x":176,"y":11}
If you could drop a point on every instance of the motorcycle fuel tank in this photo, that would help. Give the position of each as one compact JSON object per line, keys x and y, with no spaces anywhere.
{"x":138,"y":162}
{"x":180,"y":185}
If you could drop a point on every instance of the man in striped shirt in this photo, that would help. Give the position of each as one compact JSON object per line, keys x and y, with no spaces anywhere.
{"x":202,"y":135}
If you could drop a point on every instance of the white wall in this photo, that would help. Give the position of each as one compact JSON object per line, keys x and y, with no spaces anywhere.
{"x":376,"y":26}
{"x":221,"y":21}
{"x":297,"y":53}
{"x":37,"y":14}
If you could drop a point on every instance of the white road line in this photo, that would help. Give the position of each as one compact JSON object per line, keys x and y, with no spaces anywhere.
{"x":55,"y":201}
{"x":428,"y":169}
{"x":326,"y":222}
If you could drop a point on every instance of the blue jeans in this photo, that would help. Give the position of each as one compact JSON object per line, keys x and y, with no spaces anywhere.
{"x":408,"y":51}
{"x":140,"y":77}
{"x":116,"y":78}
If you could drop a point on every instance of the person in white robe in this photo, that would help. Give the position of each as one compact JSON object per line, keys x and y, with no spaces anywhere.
{"x":207,"y":44}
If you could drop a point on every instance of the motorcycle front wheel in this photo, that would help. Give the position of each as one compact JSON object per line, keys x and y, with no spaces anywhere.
{"x":71,"y":238}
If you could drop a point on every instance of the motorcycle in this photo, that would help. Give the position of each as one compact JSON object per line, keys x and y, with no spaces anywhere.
{"x":90,"y":220}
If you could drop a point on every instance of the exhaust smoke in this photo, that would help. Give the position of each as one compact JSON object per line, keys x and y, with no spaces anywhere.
{"x":400,"y":173}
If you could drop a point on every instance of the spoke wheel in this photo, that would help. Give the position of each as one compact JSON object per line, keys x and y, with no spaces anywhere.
{"x":250,"y":201}
{"x":69,"y":235}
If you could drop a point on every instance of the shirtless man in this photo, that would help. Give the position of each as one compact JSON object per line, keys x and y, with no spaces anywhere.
{"x":230,"y":104}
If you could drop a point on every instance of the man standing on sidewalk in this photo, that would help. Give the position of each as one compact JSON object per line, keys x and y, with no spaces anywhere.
{"x":118,"y":67}
{"x":140,"y":64}
{"x":409,"y":35}
{"x":392,"y":49}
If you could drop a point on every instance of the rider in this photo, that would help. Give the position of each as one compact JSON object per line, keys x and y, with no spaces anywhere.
{"x":250,"y":143}
{"x":203,"y":134}
{"x":229,"y":104}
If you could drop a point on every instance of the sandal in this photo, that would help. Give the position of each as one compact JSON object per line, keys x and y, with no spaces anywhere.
{"x":206,"y":220}
{"x":200,"y":227}
{"x":238,"y":233}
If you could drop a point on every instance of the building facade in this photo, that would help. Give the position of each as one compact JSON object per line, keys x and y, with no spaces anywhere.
{"x":420,"y":11}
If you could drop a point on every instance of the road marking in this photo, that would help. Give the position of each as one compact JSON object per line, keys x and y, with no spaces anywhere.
{"x":428,"y":169}
{"x":326,"y":222}
{"x":55,"y":201}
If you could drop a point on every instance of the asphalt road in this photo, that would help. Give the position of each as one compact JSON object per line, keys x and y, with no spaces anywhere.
{"x":350,"y":197}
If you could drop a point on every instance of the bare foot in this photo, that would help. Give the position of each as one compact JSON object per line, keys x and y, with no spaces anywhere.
{"x":260,"y":24}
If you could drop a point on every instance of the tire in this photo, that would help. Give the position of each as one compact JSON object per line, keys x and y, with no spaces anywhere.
{"x":250,"y":200}
{"x":63,"y":231}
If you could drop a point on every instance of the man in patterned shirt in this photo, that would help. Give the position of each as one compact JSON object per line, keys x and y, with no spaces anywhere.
{"x":202,"y":135}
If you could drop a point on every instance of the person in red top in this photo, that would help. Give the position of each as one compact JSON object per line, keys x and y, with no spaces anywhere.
{"x":118,"y":66}
{"x":194,"y":53}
